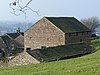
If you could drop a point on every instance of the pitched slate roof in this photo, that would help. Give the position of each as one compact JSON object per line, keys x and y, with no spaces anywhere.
{"x":15,"y":35}
{"x":6,"y":39}
{"x":59,"y":52}
{"x":68,"y":24}
{"x":2,"y":43}
{"x":22,"y":33}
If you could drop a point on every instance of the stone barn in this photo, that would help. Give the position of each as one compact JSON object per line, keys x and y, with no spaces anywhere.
{"x":55,"y":31}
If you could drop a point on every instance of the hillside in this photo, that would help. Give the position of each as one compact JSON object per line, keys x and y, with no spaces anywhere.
{"x":85,"y":65}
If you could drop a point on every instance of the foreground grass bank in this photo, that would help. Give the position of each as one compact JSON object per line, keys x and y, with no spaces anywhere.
{"x":85,"y":65}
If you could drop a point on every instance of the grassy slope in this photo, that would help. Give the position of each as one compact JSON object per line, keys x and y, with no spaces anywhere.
{"x":85,"y":65}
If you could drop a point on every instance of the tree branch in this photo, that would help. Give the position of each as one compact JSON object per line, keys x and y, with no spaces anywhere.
{"x":16,"y":6}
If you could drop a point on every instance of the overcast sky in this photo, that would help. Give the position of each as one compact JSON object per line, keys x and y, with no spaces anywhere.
{"x":77,"y":8}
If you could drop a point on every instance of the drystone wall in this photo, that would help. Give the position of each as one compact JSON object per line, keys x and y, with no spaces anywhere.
{"x":21,"y":59}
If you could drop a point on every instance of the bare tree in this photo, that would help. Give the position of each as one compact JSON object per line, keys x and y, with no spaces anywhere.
{"x":17,"y":8}
{"x":91,"y":22}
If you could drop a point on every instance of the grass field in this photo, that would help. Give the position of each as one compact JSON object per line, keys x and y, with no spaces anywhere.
{"x":85,"y":65}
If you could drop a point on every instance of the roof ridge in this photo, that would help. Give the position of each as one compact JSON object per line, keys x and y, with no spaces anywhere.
{"x":59,"y":17}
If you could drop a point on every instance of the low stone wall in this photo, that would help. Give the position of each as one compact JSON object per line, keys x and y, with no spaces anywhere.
{"x":21,"y":59}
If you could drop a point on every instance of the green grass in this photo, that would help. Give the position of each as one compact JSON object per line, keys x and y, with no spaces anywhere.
{"x":96,"y":44}
{"x":85,"y":65}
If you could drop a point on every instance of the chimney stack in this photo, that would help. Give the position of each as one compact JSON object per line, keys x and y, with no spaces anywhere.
{"x":18,"y":30}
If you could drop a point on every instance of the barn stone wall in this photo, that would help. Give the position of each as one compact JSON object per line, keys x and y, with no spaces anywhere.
{"x":43,"y":34}
{"x":78,"y":37}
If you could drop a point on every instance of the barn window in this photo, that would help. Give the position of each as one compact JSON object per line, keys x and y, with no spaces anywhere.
{"x":82,"y":33}
{"x":76,"y":34}
{"x":43,"y":46}
{"x":28,"y":49}
{"x":69,"y":34}
{"x":87,"y":32}
{"x":81,"y":40}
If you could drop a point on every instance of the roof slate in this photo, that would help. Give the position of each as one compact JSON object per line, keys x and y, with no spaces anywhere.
{"x":6,"y":39}
{"x":22,"y":33}
{"x":58,"y":52}
{"x":68,"y":24}
{"x":2,"y":43}
{"x":15,"y":35}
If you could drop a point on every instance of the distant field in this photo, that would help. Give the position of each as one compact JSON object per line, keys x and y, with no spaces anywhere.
{"x":85,"y":65}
